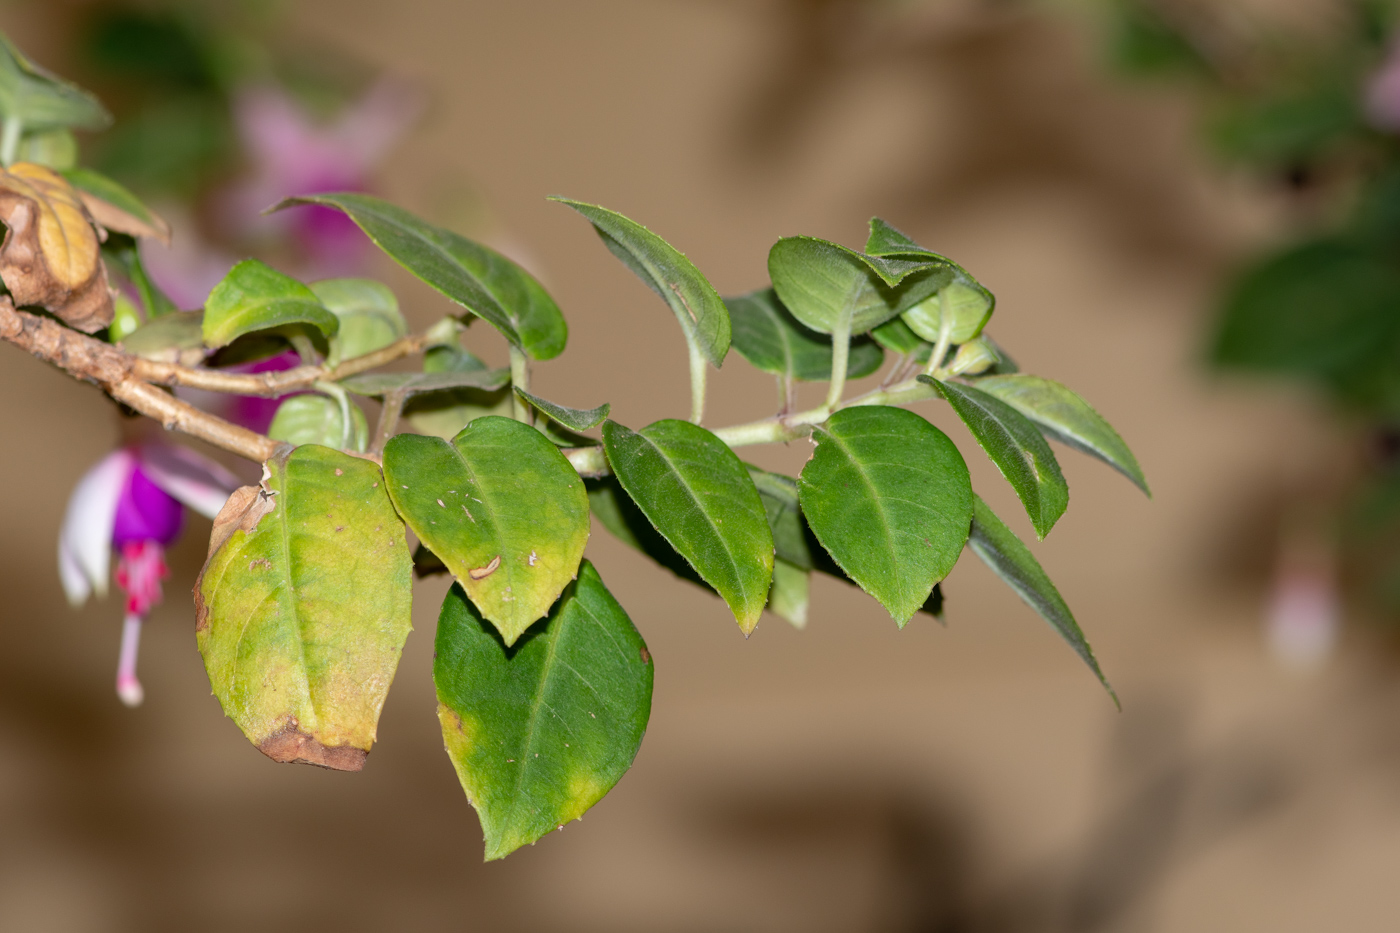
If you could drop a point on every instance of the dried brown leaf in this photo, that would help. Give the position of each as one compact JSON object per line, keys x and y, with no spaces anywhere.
{"x":50,"y":255}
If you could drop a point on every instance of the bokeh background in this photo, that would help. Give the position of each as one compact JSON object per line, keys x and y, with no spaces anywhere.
{"x":849,"y":777}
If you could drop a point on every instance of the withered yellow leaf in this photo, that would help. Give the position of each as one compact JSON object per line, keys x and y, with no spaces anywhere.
{"x":50,"y":256}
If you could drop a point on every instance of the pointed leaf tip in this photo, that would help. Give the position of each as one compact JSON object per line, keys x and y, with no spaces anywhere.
{"x":668,"y":272}
{"x":698,"y":495}
{"x":1016,"y":447}
{"x":1012,"y":561}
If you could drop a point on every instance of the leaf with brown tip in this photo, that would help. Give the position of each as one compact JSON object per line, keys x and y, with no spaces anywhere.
{"x":303,"y":607}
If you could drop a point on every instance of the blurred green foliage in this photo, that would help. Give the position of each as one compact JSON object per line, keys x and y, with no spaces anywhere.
{"x":1316,"y":110}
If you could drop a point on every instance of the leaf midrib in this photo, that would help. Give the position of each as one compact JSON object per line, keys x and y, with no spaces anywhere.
{"x":449,"y":259}
{"x":554,"y":638}
{"x":700,"y":507}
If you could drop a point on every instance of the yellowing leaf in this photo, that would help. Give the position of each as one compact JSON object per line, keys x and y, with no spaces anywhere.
{"x":50,"y":253}
{"x":303,"y":607}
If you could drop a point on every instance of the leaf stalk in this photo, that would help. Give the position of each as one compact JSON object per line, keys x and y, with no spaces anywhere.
{"x":520,"y":379}
{"x":698,"y":374}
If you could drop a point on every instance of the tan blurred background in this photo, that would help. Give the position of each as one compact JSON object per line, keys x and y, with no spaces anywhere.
{"x":849,"y":777}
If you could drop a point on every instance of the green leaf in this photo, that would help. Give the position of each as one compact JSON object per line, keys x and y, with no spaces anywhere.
{"x":698,"y":494}
{"x":376,"y":384}
{"x":968,"y":303}
{"x":368,"y":312}
{"x":768,"y":336}
{"x":541,"y":731}
{"x":303,"y":607}
{"x":1063,"y":415}
{"x":794,"y":543}
{"x":575,"y":419}
{"x":888,"y":497}
{"x":666,"y":271}
{"x":1011,"y":560}
{"x":41,"y":100}
{"x":788,"y":598}
{"x":885,"y":240}
{"x":830,"y":288}
{"x":254,"y":296}
{"x":317,"y":419}
{"x":479,"y":279}
{"x":1322,"y":311}
{"x":501,"y":507}
{"x":1016,"y":447}
{"x":894,"y":335}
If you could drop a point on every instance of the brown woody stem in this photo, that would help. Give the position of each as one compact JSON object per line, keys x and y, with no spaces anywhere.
{"x":271,"y":384}
{"x":118,"y":374}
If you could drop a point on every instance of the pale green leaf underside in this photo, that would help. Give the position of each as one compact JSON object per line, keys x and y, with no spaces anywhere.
{"x":167,"y":336}
{"x":301,"y":618}
{"x":317,"y":419}
{"x":540,"y":731}
{"x":887,"y":495}
{"x":1016,"y":447}
{"x":254,"y":296}
{"x":501,"y":507}
{"x":1013,"y":562}
{"x":668,"y":272}
{"x":967,"y":309}
{"x":368,"y":312}
{"x":788,"y":599}
{"x":575,"y":419}
{"x":479,"y":279}
{"x":698,"y":494}
{"x":1063,"y":415}
{"x":769,"y":337}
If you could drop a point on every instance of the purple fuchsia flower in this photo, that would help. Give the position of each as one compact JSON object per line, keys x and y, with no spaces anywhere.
{"x":134,"y":500}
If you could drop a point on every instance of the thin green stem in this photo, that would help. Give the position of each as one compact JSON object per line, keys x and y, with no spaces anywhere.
{"x":698,"y":372}
{"x":840,"y":361}
{"x":520,"y":378}
{"x":9,"y":140}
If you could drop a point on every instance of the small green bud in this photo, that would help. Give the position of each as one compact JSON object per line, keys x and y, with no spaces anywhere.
{"x":125,"y":319}
{"x":973,"y":357}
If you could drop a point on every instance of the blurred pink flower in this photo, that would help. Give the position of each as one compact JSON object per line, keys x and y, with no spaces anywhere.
{"x":133,"y":499}
{"x":1305,"y":607}
{"x":294,"y":154}
{"x":1382,"y":103}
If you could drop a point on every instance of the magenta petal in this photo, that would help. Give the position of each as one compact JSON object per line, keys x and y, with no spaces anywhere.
{"x":145,"y":512}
